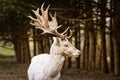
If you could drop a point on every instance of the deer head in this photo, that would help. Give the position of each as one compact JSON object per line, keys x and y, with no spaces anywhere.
{"x":61,"y":45}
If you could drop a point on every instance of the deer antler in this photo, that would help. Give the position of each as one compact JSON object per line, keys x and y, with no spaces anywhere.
{"x":42,"y":22}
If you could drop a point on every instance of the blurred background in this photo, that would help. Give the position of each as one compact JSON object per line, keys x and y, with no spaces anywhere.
{"x":95,"y":25}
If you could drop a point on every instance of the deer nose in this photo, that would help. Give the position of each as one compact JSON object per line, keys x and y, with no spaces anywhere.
{"x":79,"y":52}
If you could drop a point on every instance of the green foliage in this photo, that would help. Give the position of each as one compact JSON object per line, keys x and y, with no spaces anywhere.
{"x":13,"y":16}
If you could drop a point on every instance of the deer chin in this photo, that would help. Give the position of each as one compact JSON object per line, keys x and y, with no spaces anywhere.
{"x":72,"y":55}
{"x":76,"y":55}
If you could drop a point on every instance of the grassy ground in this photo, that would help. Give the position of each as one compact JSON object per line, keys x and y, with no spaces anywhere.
{"x":6,"y":49}
{"x":11,"y":70}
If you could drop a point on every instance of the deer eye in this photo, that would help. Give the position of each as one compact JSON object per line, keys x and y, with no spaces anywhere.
{"x":66,"y":45}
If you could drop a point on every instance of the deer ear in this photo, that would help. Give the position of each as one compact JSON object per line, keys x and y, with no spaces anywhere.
{"x":56,"y":40}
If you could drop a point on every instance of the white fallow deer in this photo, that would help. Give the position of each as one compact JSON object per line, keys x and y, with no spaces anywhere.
{"x":48,"y":66}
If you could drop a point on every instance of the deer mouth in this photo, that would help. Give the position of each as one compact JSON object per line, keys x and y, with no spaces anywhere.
{"x":75,"y":55}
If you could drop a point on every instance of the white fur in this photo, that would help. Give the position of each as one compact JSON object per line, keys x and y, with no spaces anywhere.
{"x":48,"y":66}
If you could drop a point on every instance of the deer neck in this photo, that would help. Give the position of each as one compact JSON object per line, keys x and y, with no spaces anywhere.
{"x":56,"y":53}
{"x":58,"y":61}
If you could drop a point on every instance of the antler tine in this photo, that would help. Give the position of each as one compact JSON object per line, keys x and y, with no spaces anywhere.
{"x":44,"y":12}
{"x":70,"y":35}
{"x":65,"y":30}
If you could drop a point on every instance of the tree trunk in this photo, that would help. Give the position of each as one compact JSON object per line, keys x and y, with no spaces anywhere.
{"x":46,"y":44}
{"x":116,"y":35}
{"x":86,"y":51}
{"x":21,"y":46}
{"x":40,"y":48}
{"x":92,"y":47}
{"x":34,"y":41}
{"x":104,"y":65}
{"x":111,"y":48}
{"x":77,"y":45}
